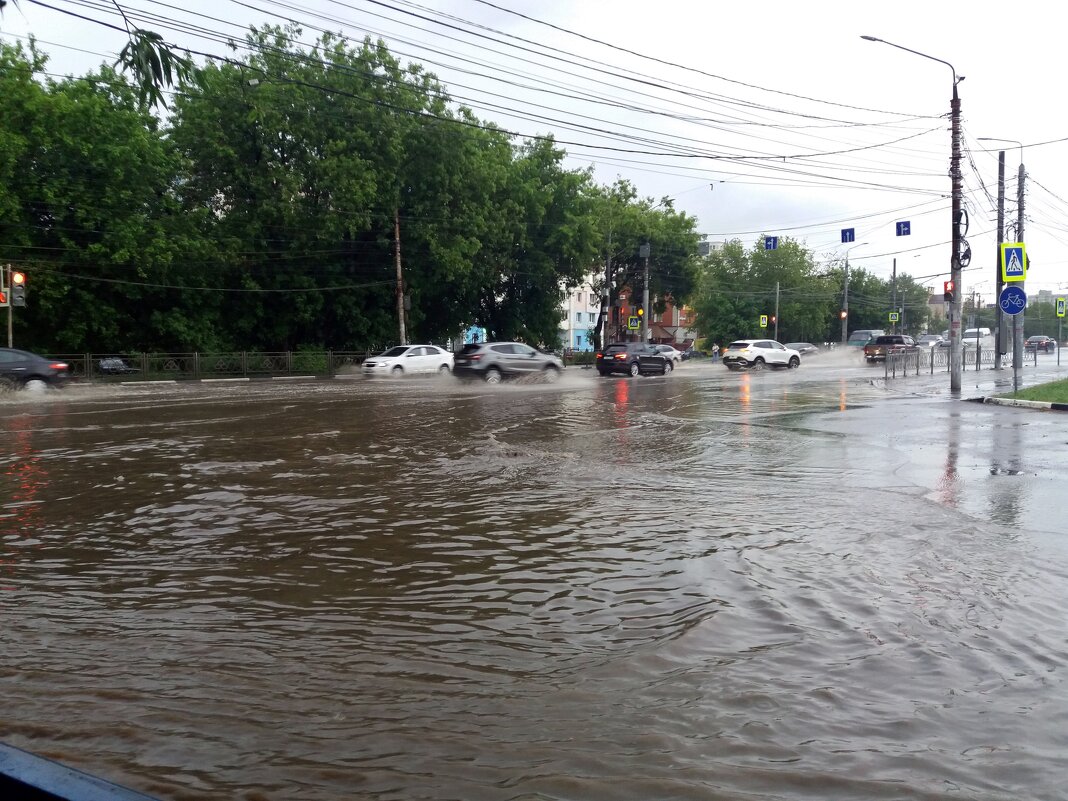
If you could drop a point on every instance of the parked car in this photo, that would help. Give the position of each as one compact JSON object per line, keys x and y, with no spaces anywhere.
{"x":878,"y":349}
{"x":409,"y":360}
{"x":22,"y":369}
{"x":633,"y":358}
{"x":115,"y":366}
{"x":862,"y":336}
{"x":756,"y":353}
{"x":1040,"y":343}
{"x":495,"y":361}
{"x":804,"y":348}
{"x":929,"y":341}
{"x":671,"y":352}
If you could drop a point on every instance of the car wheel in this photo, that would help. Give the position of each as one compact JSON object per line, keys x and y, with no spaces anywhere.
{"x":794,"y":362}
{"x":493,"y":376}
{"x":634,"y":369}
{"x":668,"y":367}
{"x":444,"y":370}
{"x":551,"y":375}
{"x":35,"y":385}
{"x":397,"y":371}
{"x":758,"y":364}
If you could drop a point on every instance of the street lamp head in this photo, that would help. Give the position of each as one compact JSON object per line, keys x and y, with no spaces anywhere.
{"x":870,"y":38}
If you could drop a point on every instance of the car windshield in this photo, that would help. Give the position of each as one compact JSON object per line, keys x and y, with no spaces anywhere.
{"x":400,"y":350}
{"x":471,"y":347}
{"x":615,"y":349}
{"x":738,"y":346}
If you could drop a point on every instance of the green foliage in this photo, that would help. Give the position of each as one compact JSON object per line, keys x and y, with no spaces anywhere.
{"x":262,"y":215}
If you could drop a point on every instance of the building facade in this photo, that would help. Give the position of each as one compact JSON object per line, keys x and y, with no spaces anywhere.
{"x":579,"y":317}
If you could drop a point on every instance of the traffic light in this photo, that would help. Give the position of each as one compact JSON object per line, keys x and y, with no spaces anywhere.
{"x":773,"y":319}
{"x":18,"y":289}
{"x":843,"y":314}
{"x":950,"y":288}
{"x":640,"y":312}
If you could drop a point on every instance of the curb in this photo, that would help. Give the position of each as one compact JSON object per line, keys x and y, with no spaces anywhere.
{"x":1026,"y":404}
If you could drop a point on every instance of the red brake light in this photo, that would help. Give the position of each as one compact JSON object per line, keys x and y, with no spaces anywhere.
{"x":476,"y":357}
{"x":58,"y":365}
{"x":620,"y":356}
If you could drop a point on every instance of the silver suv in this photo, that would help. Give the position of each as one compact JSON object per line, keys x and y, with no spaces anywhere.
{"x":495,"y":361}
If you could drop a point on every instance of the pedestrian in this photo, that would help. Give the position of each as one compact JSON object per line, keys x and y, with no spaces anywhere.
{"x":715,"y":351}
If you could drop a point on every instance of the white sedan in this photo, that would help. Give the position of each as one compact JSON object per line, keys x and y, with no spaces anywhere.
{"x":755,"y":353}
{"x":409,"y":360}
{"x":672,"y":353}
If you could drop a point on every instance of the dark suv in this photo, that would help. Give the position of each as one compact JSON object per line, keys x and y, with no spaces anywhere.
{"x":632,"y":358}
{"x":494,"y":361}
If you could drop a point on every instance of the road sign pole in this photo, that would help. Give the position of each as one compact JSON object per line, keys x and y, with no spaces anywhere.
{"x":10,"y":319}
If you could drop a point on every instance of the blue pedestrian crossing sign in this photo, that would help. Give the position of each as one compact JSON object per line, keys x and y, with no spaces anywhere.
{"x":904,"y":228}
{"x":849,"y":234}
{"x":1013,"y":299}
{"x":1013,"y":262}
{"x":771,"y":242}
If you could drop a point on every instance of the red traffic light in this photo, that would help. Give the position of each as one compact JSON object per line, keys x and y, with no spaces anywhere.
{"x":18,"y":279}
{"x":947,"y":287}
{"x":843,"y":314}
{"x":3,"y":298}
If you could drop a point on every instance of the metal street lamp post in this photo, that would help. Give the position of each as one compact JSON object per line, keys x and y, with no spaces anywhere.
{"x":955,"y":358}
{"x":845,"y":296}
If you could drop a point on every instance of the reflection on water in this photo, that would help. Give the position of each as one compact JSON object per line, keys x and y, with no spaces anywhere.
{"x":619,"y":588}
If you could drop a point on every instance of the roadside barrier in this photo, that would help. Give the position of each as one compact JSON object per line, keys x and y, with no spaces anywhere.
{"x":928,"y":360}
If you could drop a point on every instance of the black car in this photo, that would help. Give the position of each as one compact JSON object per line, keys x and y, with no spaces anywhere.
{"x":632,"y":358}
{"x":115,"y":366}
{"x":1040,"y":343}
{"x":20,"y":368}
{"x":494,"y":361}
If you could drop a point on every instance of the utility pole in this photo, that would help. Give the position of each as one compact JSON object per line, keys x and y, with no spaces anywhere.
{"x":776,"y":311}
{"x":845,"y":304}
{"x":893,"y":283}
{"x":10,"y":319}
{"x":1018,"y":320}
{"x":644,"y":251}
{"x":606,"y":309}
{"x":401,"y":334}
{"x":1000,"y":346}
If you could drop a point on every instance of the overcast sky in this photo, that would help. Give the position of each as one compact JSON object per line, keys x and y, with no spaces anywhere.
{"x":756,"y":117}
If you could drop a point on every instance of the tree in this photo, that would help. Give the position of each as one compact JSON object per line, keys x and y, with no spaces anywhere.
{"x":87,"y":209}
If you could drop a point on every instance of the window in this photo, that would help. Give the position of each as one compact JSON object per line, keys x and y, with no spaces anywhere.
{"x":580,"y":297}
{"x":578,"y":317}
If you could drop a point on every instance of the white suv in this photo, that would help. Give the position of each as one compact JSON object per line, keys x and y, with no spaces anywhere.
{"x":755,"y":353}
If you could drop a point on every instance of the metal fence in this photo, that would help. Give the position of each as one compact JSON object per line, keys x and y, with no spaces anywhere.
{"x":230,"y":364}
{"x":930,"y":360}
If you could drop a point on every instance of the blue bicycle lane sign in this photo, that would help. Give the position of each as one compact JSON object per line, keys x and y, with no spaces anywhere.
{"x":1012,"y":300}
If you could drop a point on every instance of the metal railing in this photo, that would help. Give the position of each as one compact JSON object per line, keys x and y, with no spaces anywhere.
{"x":227,"y":364}
{"x":901,"y":363}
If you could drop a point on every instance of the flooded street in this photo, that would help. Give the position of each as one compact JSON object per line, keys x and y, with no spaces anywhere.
{"x":783,"y":585}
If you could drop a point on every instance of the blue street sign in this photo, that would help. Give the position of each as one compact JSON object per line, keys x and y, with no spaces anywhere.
{"x":771,"y":242}
{"x":1012,"y":299}
{"x":903,"y":228}
{"x":849,"y":234}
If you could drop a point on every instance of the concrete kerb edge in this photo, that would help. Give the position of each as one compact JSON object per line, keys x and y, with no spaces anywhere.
{"x":1026,"y":404}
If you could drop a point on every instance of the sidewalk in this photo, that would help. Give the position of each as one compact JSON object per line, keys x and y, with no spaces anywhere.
{"x":981,"y":384}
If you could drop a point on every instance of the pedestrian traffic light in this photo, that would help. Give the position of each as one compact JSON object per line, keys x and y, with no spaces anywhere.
{"x":18,"y":289}
{"x":949,"y":288}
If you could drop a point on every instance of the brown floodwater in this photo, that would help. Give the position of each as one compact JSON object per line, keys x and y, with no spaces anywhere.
{"x":702,"y":586}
